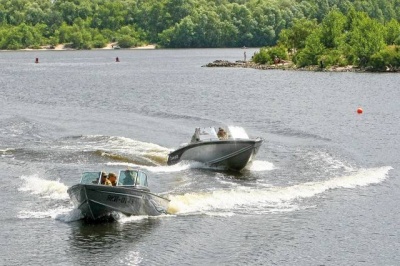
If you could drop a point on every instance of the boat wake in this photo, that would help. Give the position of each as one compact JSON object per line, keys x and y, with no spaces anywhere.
{"x":246,"y":200}
{"x":260,"y":166}
{"x":161,"y":169}
{"x":120,"y":149}
{"x":6,"y":153}
{"x":44,"y":188}
{"x":256,"y":166}
{"x":63,"y":214}
{"x":154,"y":153}
{"x":55,"y":201}
{"x":225,"y":202}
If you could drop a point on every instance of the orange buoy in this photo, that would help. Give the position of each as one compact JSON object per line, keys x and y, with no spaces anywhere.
{"x":359,"y":110}
{"x":37,"y":60}
{"x":117,"y":59}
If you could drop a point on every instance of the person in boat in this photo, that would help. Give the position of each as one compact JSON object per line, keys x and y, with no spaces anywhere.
{"x":129,"y":179}
{"x":196,"y":135}
{"x":222,"y":133}
{"x":112,"y":178}
{"x":104,"y":180}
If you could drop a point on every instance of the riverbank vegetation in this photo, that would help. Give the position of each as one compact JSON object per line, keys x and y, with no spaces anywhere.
{"x":338,"y":40}
{"x":85,"y":24}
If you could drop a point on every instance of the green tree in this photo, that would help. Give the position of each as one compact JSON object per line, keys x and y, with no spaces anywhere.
{"x":332,"y":29}
{"x":127,"y":37}
{"x":98,"y":40}
{"x":68,"y":11}
{"x":392,"y":32}
{"x":243,"y":20}
{"x":366,"y":38}
{"x":34,"y":14}
{"x":312,"y":52}
{"x":387,"y":58}
{"x":296,"y":36}
{"x":181,"y":35}
{"x":111,"y":15}
{"x":176,"y":10}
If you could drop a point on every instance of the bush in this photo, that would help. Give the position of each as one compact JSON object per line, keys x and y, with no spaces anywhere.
{"x":304,"y":58}
{"x":126,"y":41}
{"x":377,"y":62}
{"x":99,"y":41}
{"x":261,"y":57}
{"x":277,"y":51}
{"x":267,"y":55}
{"x":333,"y":58}
{"x":387,"y":57}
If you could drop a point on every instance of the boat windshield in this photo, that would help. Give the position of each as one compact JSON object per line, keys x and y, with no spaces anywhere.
{"x":132,"y":178}
{"x":206,"y":133}
{"x":142,"y":179}
{"x":127,"y":177}
{"x":90,"y":178}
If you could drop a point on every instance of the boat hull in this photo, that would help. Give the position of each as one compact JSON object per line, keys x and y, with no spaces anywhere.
{"x":98,"y":201}
{"x":226,"y":154}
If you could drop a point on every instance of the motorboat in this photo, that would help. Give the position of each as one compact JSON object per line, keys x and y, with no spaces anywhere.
{"x":129,"y":195}
{"x":229,"y":149}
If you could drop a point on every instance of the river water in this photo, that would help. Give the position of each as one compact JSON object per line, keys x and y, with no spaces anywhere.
{"x":323,"y":190}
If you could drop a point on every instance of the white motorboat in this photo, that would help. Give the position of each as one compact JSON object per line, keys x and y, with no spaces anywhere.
{"x":230,"y":151}
{"x":130,"y":196}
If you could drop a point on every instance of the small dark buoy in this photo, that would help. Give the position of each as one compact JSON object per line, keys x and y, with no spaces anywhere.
{"x":117,"y":59}
{"x":359,"y":110}
{"x":37,"y":60}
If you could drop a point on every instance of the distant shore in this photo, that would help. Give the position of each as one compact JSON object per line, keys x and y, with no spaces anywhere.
{"x":288,"y":65}
{"x":109,"y":46}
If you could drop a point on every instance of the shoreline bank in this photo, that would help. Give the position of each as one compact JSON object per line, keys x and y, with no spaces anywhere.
{"x":288,"y":65}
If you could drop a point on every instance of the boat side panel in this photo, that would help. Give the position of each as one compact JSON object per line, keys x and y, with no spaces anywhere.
{"x":232,"y":155}
{"x":102,"y":200}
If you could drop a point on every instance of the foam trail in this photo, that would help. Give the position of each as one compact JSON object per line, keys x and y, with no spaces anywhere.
{"x":129,"y":258}
{"x":69,"y":216}
{"x":330,"y":162}
{"x":118,"y":148}
{"x":274,"y":197}
{"x":151,"y":151}
{"x":259,"y":166}
{"x":7,"y":153}
{"x":182,"y":166}
{"x":52,"y":213}
{"x":45,"y":188}
{"x":134,"y":218}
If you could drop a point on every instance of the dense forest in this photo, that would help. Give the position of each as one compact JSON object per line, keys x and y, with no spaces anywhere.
{"x":338,"y":40}
{"x":85,"y":24}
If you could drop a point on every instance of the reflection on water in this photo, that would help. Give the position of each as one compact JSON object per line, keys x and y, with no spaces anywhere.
{"x":109,"y":242}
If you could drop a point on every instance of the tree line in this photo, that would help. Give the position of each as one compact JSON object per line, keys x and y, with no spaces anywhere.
{"x":338,"y":40}
{"x":85,"y":24}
